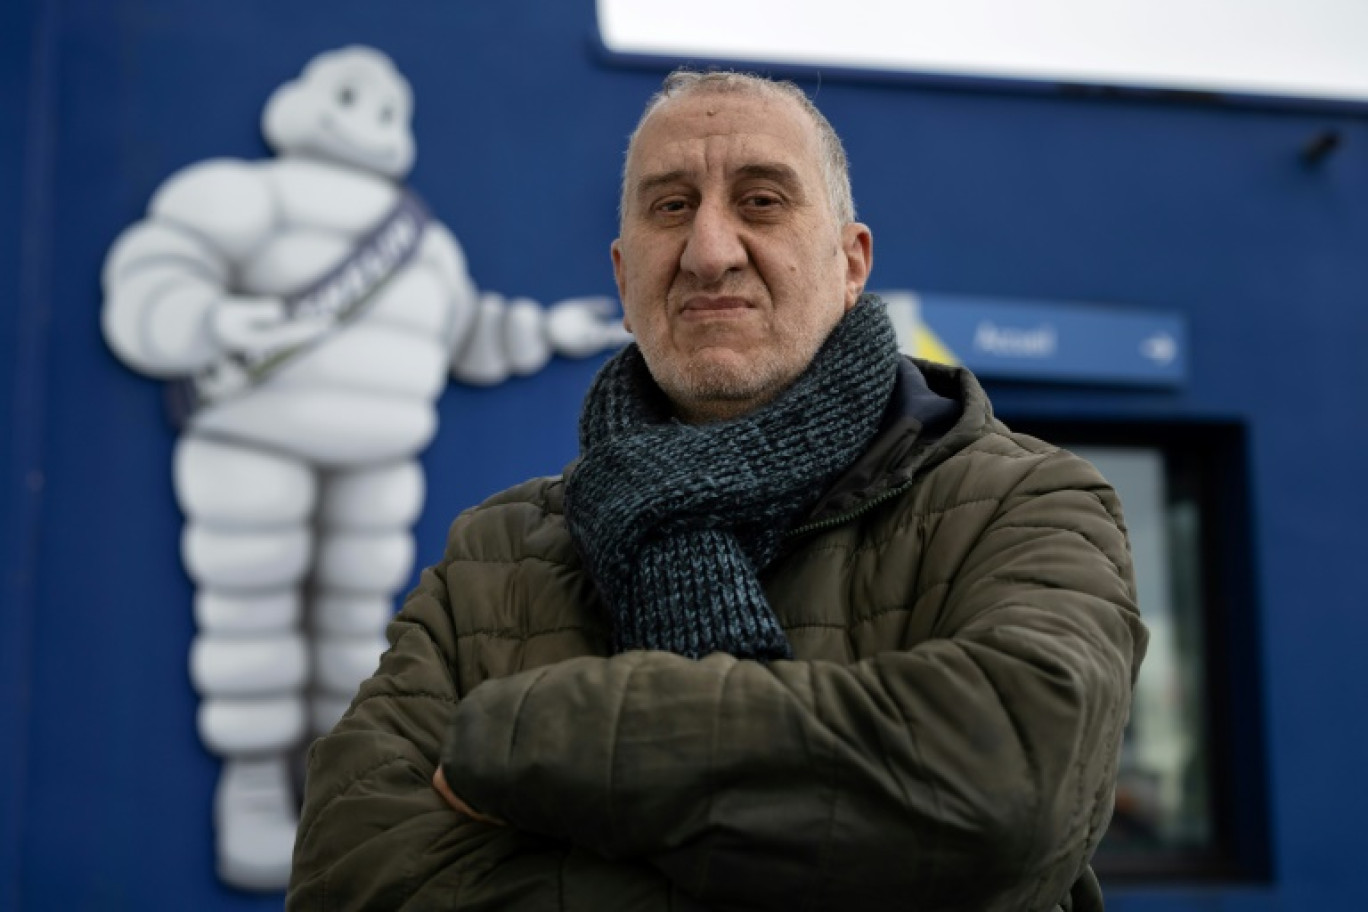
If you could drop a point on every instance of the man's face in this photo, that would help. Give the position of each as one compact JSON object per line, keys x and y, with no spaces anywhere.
{"x":731,"y":265}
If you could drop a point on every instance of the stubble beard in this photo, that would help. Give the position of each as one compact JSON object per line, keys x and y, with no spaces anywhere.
{"x":717,"y":387}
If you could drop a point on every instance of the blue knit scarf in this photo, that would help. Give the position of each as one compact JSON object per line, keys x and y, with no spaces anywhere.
{"x":674,"y":521}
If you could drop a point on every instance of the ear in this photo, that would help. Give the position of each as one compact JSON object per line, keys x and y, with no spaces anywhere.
{"x":616,"y":251}
{"x":857,"y":245}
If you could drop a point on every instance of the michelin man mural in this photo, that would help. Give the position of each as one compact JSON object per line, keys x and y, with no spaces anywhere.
{"x":307,"y":310}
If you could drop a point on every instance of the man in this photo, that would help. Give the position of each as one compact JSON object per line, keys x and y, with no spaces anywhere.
{"x":805,"y":627}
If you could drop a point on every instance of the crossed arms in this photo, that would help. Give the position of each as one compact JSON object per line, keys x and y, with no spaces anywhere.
{"x":972,"y":770}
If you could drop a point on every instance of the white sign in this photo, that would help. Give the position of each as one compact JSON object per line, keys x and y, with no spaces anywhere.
{"x":1306,"y":48}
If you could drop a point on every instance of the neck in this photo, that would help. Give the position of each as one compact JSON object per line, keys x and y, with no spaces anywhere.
{"x":713,"y":411}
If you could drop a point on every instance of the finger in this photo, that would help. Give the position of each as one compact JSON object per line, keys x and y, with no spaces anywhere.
{"x":440,"y":784}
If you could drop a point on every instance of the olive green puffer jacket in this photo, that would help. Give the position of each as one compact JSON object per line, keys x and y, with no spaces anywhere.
{"x":962,"y":610}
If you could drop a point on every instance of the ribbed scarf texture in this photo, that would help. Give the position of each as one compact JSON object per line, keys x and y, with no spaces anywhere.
{"x":675,"y":521}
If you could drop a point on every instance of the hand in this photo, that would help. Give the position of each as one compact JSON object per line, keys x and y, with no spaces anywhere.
{"x":246,"y":324}
{"x":579,"y":327}
{"x":440,"y":784}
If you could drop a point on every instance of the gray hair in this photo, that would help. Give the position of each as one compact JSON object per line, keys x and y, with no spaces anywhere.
{"x":682,"y":82}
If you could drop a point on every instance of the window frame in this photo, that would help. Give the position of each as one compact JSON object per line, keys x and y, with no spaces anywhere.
{"x":1206,"y":462}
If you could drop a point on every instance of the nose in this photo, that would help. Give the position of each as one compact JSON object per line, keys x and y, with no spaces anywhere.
{"x":714,"y":246}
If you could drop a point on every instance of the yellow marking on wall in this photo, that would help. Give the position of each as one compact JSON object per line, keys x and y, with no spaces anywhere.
{"x":928,"y":346}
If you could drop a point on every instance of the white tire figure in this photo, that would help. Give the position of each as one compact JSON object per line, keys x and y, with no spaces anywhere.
{"x":296,"y":469}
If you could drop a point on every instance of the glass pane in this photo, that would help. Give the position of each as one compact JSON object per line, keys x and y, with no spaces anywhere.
{"x":1163,"y":805}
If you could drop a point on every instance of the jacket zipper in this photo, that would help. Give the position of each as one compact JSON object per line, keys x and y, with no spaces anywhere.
{"x":853,"y":514}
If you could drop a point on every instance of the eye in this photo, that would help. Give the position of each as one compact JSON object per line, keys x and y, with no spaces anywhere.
{"x":674,"y":205}
{"x":762,"y":204}
{"x":346,"y":96}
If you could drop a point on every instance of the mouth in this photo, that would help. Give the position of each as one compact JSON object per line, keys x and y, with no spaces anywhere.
{"x":709,"y":307}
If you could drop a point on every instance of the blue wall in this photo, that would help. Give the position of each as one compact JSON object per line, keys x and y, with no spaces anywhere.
{"x":1203,"y":209}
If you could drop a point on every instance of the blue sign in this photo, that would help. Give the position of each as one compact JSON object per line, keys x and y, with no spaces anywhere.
{"x":1042,"y":340}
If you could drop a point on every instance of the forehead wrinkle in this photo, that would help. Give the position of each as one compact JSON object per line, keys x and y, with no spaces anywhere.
{"x":776,"y":171}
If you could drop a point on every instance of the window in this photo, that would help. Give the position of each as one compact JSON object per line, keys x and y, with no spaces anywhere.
{"x":1190,"y":797}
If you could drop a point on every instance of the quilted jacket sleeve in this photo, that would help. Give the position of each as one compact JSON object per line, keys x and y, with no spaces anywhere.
{"x":374,"y":833}
{"x":972,"y":771}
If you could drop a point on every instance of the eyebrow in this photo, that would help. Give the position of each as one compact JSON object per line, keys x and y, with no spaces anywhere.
{"x":654,"y":181}
{"x":775,"y":171}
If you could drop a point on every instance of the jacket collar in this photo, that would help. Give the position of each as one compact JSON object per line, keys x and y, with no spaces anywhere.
{"x":933,"y":411}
